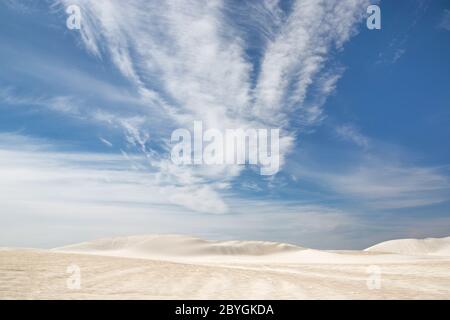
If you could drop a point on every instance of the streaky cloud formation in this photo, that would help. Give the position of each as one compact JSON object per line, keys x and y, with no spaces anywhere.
{"x":191,"y":60}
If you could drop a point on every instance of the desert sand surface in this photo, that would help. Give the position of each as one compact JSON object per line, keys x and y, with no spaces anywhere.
{"x":180,"y":267}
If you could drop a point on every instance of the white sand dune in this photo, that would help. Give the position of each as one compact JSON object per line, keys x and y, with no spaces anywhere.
{"x":190,"y":249}
{"x":179,"y":248}
{"x":415,"y":247}
{"x":151,"y":246}
{"x":180,"y":267}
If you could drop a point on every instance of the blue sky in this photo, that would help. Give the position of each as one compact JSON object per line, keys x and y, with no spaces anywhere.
{"x":86,"y":116}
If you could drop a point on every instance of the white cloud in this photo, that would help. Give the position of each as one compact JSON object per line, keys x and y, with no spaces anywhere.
{"x":398,"y":54}
{"x":64,"y":104}
{"x":190,"y":59}
{"x":186,"y":61}
{"x":350,"y":133}
{"x":105,"y":141}
{"x":294,"y":59}
{"x":32,"y":171}
{"x":380,"y":184}
{"x":445,"y":20}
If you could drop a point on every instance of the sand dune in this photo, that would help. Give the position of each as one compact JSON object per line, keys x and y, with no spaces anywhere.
{"x":185,"y":249}
{"x":180,"y":267}
{"x":190,"y":249}
{"x":415,"y":247}
{"x":178,"y":246}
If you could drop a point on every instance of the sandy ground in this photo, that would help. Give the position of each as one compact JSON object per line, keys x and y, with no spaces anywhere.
{"x":174,"y":267}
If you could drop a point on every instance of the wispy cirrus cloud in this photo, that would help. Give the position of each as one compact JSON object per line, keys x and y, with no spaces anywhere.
{"x":397,"y":47}
{"x":352,"y":134}
{"x":382,"y":184}
{"x":196,"y":60}
{"x":33,"y":170}
{"x":445,"y":20}
{"x":193,"y":60}
{"x":63,"y":104}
